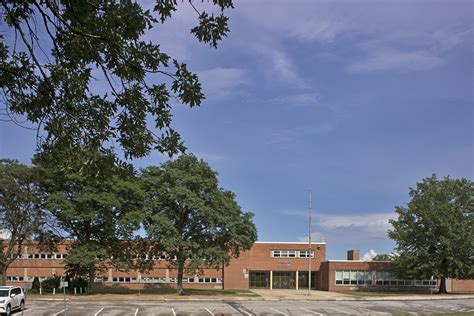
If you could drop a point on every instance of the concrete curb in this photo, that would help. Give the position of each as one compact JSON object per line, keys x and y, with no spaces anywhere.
{"x":235,"y":299}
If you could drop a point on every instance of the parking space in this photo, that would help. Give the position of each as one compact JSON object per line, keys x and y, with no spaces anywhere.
{"x":248,"y":308}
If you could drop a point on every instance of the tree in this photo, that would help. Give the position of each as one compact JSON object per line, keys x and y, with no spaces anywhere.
{"x":190,"y":218}
{"x":382,"y":257}
{"x":58,"y":48}
{"x":21,"y":217}
{"x":99,"y":214}
{"x":434,"y":234}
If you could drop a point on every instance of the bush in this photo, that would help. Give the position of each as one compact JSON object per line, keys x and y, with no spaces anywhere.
{"x":35,"y":286}
{"x":51,"y":283}
{"x":77,"y":282}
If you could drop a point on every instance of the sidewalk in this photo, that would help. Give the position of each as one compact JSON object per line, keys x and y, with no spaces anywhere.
{"x":280,"y":295}
{"x":264,"y":295}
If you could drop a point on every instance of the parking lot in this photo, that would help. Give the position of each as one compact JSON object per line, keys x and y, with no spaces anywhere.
{"x":249,"y":308}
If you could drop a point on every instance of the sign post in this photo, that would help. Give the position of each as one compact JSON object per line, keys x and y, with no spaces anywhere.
{"x":64,"y":285}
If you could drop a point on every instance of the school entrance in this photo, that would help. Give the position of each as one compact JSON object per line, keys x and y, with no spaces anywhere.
{"x":284,"y":280}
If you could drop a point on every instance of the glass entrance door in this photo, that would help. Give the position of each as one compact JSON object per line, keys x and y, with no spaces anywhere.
{"x":284,"y":280}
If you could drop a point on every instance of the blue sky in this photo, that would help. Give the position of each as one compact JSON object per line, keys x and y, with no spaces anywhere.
{"x":357,"y":100}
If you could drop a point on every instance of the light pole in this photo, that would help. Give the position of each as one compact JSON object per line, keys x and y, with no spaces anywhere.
{"x":309,"y":241}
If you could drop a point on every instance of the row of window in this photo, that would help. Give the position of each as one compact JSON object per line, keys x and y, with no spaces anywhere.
{"x":291,"y":254}
{"x":163,"y":280}
{"x":23,"y":279}
{"x":125,"y":279}
{"x":357,"y":277}
{"x":42,"y":256}
{"x":63,"y":256}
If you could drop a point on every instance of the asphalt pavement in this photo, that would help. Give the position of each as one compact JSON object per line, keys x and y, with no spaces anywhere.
{"x":188,"y":308}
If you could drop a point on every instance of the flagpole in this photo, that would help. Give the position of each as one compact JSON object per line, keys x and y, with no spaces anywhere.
{"x":309,"y":240}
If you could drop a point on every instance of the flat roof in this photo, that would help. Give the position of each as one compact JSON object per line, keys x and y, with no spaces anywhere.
{"x":291,"y":242}
{"x":356,"y":261}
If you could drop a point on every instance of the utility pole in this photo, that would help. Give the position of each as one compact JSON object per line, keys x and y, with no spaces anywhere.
{"x":309,"y":240}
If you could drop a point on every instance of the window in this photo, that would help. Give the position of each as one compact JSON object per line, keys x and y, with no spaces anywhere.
{"x":338,"y":277}
{"x":426,"y":282}
{"x":303,"y":281}
{"x":346,"y":277}
{"x":353,"y":277}
{"x":305,"y":254}
{"x":259,"y":279}
{"x":291,"y":254}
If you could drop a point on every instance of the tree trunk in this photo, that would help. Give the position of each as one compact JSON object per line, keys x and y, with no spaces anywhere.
{"x":223,"y":267}
{"x":179,"y":287}
{"x":3,"y":276}
{"x":90,"y":285}
{"x":442,"y":286}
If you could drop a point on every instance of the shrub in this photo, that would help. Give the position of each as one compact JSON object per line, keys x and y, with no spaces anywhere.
{"x":51,"y":283}
{"x":35,"y":286}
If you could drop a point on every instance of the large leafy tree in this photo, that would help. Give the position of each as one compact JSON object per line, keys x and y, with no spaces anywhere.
{"x":434,"y":234}
{"x":22,"y":219}
{"x":189,"y":217}
{"x":56,"y":52}
{"x":100,"y":215}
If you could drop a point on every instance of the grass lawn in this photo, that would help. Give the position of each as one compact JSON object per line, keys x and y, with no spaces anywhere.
{"x":455,"y":314}
{"x":364,"y":293}
{"x":171,"y":291}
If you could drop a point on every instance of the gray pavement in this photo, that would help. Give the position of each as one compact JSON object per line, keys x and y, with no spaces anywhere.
{"x":188,"y":308}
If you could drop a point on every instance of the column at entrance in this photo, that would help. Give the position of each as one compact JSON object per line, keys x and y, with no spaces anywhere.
{"x":271,"y":280}
{"x":297,"y":280}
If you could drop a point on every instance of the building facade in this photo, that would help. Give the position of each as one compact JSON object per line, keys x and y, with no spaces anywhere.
{"x":267,"y":265}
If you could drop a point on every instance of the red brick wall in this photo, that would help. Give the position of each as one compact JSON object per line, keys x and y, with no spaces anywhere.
{"x":462,"y":286}
{"x":257,"y":258}
{"x":328,"y":274}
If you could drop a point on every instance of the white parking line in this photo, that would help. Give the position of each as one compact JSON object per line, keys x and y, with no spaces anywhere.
{"x":427,"y":309}
{"x":372,"y":312}
{"x":276,"y":310}
{"x":212,"y":314}
{"x":98,"y":312}
{"x":340,"y":310}
{"x":174,"y":312}
{"x":59,"y":312}
{"x":136,"y":312}
{"x":310,"y":311}
{"x":240,"y":311}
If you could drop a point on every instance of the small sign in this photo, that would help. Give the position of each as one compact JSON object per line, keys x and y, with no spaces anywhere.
{"x":64,"y":284}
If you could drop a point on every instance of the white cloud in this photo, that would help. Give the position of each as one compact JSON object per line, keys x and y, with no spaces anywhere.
{"x":278,"y":65}
{"x":392,"y":59}
{"x":220,"y":82}
{"x":309,"y":21}
{"x":370,"y":255}
{"x":343,"y":228}
{"x":301,"y":99}
{"x":374,"y":224}
{"x":408,"y":39}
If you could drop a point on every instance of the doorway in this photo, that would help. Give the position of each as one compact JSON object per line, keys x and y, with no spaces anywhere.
{"x":284,"y":280}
